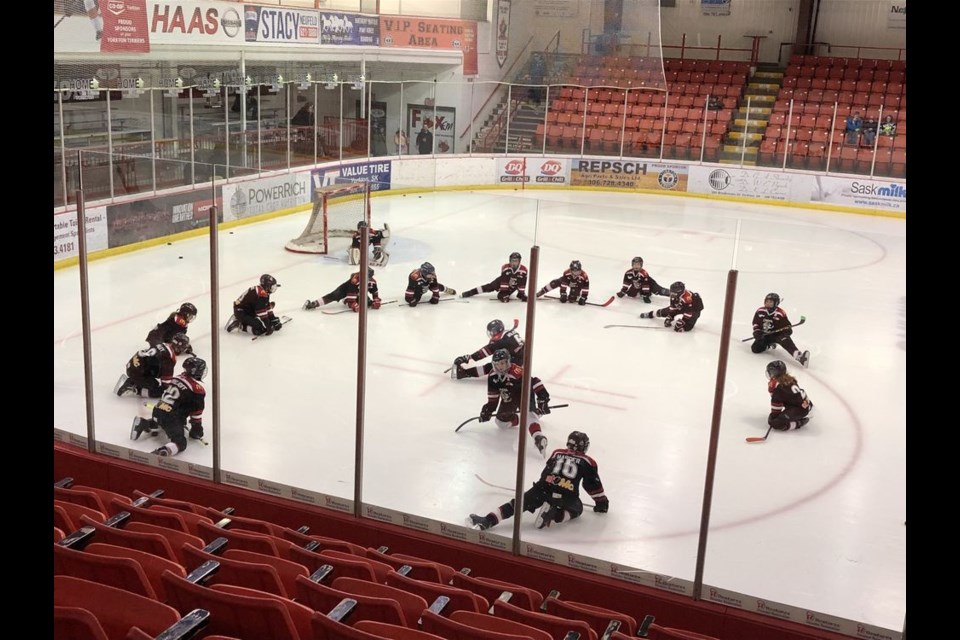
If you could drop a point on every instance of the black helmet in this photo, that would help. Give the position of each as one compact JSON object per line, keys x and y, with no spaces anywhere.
{"x":195,"y":367}
{"x":501,"y":356}
{"x":269,"y":283}
{"x":188,"y":311}
{"x":677,"y":288}
{"x":180,"y":343}
{"x":578,"y":441}
{"x":776,"y":369}
{"x":494,"y":327}
{"x":576,"y":266}
{"x":772,"y":296}
{"x":369,"y":272}
{"x":516,"y":256}
{"x":426,"y":268}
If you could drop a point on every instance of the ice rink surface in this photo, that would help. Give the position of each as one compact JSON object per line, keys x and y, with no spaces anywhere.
{"x":813,"y":518}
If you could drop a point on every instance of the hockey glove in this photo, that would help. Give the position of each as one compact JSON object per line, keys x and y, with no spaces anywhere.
{"x":435,"y":300}
{"x":679,"y":326}
{"x":486,"y":412}
{"x":354,"y":307}
{"x":503,"y":298}
{"x":459,"y":360}
{"x":602,"y":506}
{"x":521,"y":296}
{"x":543,"y":405}
{"x":582,"y":301}
{"x":275,"y":323}
{"x":414,"y":302}
{"x":758,"y":335}
{"x":646,"y":314}
{"x":309,"y":305}
{"x":563,"y":297}
{"x":376,"y":303}
{"x":620,"y":294}
{"x":667,"y":322}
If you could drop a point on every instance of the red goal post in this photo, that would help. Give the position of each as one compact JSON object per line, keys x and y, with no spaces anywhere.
{"x":337,"y":209}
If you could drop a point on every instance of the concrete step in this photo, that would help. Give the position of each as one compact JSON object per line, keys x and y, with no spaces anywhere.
{"x":759,"y":99}
{"x":771,"y":76}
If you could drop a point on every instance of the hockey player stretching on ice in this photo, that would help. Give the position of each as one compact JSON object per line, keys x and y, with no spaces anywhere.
{"x":772,"y":327}
{"x":636,"y":281}
{"x":790,"y":408}
{"x":512,"y":278}
{"x":175,"y":323}
{"x":500,"y":338}
{"x":151,"y":368}
{"x":422,"y":280}
{"x":557,"y":493}
{"x":377,"y":239}
{"x":349,"y":292}
{"x":253,"y":310}
{"x":182,"y":400}
{"x":574,"y":278}
{"x":684,"y":310}
{"x":503,"y":387}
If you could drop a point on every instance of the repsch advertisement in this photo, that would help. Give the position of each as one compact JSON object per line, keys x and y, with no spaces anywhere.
{"x":535,"y":171}
{"x":628,"y":174}
{"x":141,"y":220}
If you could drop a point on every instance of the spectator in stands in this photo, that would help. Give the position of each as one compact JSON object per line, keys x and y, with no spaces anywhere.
{"x":537,"y":71}
{"x":888,"y":127}
{"x":425,"y":140}
{"x":854,"y":123}
{"x":869,"y":131}
{"x":400,"y":139}
{"x":715,"y":103}
{"x":303,"y":117}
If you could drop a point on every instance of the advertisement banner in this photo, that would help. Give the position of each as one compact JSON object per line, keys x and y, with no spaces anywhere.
{"x":253,"y":197}
{"x":124,"y":26}
{"x":376,"y":173}
{"x":141,"y":220}
{"x":349,"y":28}
{"x":715,"y":7}
{"x":538,"y":171}
{"x":555,"y":8}
{"x":65,"y":234}
{"x":278,"y":25}
{"x":432,"y":33}
{"x":750,"y":183}
{"x":897,"y":15}
{"x":426,"y":123}
{"x":503,"y":31}
{"x":628,"y":174}
{"x":856,"y":192}
{"x":195,"y":23}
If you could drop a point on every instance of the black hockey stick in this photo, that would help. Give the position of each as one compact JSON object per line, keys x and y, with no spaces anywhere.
{"x":466,"y":422}
{"x":756,"y":439}
{"x":802,"y":320}
{"x":592,"y":304}
{"x":632,"y":326}
{"x":516,"y":323}
{"x":490,"y":484}
{"x":57,"y":23}
{"x":407,"y":304}
{"x":333,"y":313}
{"x":283,"y":320}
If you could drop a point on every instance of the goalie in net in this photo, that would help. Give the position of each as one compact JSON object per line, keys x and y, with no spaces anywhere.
{"x":337,"y":210}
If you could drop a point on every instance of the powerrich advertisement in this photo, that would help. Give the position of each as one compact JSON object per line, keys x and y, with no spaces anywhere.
{"x":628,"y":174}
{"x":253,"y":197}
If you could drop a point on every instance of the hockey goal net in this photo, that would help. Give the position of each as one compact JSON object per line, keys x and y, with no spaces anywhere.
{"x":336,"y":211}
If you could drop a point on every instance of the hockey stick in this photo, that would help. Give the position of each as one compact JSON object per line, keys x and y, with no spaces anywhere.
{"x":490,"y":484}
{"x":407,"y":304}
{"x":516,"y":323}
{"x":465,"y":422}
{"x":756,"y":439}
{"x":632,"y":326}
{"x":283,"y":320}
{"x":333,"y":313}
{"x":592,"y":304}
{"x":802,"y":320}
{"x":57,"y":23}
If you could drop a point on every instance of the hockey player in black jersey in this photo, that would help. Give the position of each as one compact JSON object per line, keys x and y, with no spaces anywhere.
{"x":512,"y":279}
{"x":349,"y":293}
{"x":254,"y":311}
{"x":772,"y":327}
{"x":684,"y":310}
{"x":790,"y":408}
{"x":637,"y":282}
{"x":500,"y":338}
{"x":151,"y":368}
{"x":503,"y":398}
{"x":175,"y":323}
{"x":183,"y":399}
{"x":555,"y":497}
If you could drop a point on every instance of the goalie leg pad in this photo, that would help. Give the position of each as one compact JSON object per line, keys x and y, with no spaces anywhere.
{"x":354,"y":255}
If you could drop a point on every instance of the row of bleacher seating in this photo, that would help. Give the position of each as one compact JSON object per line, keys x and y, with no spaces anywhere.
{"x":676,"y":146}
{"x":813,"y":156}
{"x":853,"y":74}
{"x":846,"y":86}
{"x":617,"y":112}
{"x":143,"y":567}
{"x":637,"y":96}
{"x":802,"y":60}
{"x":859,"y":101}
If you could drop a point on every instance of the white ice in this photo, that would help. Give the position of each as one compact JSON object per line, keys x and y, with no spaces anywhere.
{"x":813,"y":518}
